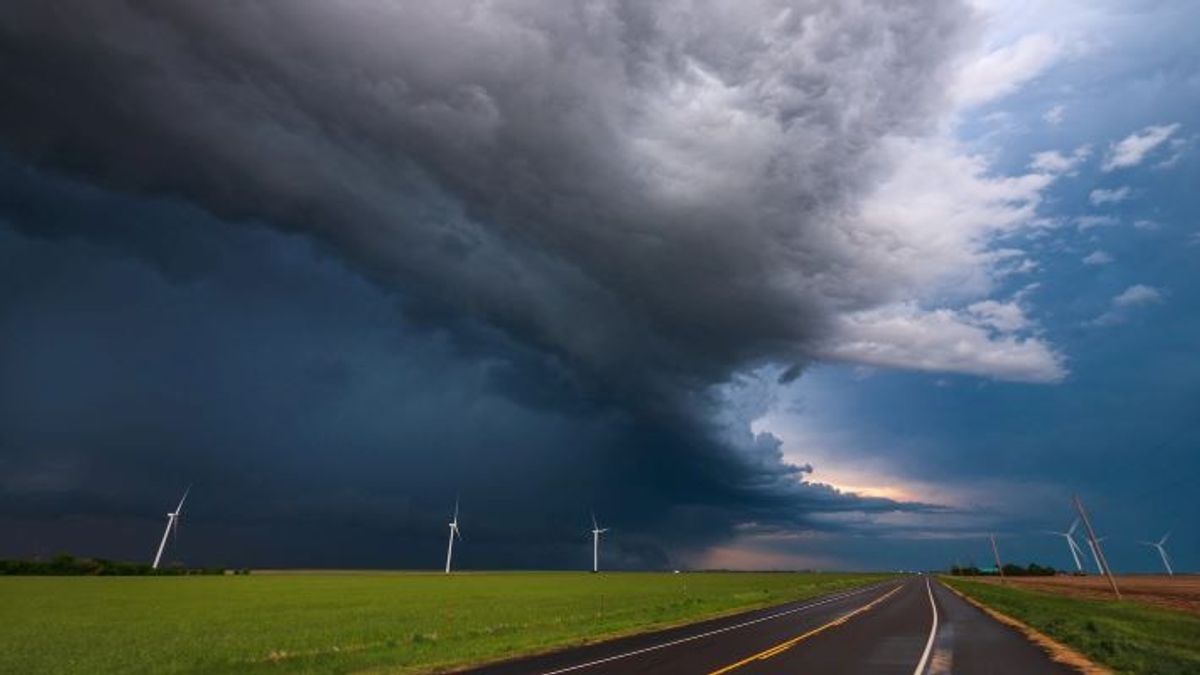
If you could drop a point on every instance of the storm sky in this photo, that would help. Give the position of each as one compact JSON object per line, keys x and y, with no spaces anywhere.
{"x":762,"y":284}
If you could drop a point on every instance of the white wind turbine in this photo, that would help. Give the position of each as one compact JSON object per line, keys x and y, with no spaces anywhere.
{"x":596,"y":532}
{"x":453,"y":533}
{"x":1096,"y":558}
{"x":1162,"y":552}
{"x":1069,"y":535}
{"x":172,"y":525}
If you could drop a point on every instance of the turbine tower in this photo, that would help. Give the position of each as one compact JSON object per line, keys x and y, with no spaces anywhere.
{"x":596,"y":532}
{"x":1162,"y":552}
{"x":996,"y":553}
{"x":1101,"y":561}
{"x":453,"y":533}
{"x":172,"y":525}
{"x":1069,"y":535}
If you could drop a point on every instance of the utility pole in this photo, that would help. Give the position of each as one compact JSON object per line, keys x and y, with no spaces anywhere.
{"x":1100,"y":560}
{"x":996,"y":553}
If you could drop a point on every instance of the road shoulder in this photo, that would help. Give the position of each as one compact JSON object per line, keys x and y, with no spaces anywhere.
{"x":1057,"y":651}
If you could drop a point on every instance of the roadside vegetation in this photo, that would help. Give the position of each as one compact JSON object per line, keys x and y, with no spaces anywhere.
{"x":1129,"y":637}
{"x":1010,"y":570}
{"x":339,"y":622}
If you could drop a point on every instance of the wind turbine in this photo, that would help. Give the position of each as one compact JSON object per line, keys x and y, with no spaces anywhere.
{"x":172,"y":524}
{"x":1162,"y":552}
{"x":1069,"y":535}
{"x":453,"y":533}
{"x":1096,"y":558}
{"x":596,"y":532}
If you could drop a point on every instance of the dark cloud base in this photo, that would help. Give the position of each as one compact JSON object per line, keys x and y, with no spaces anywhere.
{"x":146,"y":346}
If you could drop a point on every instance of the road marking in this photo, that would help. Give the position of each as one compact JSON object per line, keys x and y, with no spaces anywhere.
{"x":726,"y":629}
{"x":932,"y":632}
{"x":788,"y":644}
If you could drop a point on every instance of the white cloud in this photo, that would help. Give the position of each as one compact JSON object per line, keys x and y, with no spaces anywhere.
{"x":1097,"y":258}
{"x":1138,"y":295}
{"x":1179,"y":147}
{"x":1053,"y":161}
{"x":975,"y":341}
{"x":1131,"y":150}
{"x":1022,"y":266}
{"x":1054,"y":116}
{"x":1085,"y":223}
{"x":1146,"y":225}
{"x":1002,"y":71}
{"x":930,"y":236}
{"x":1006,"y":317}
{"x":929,"y":230}
{"x":1101,"y":196}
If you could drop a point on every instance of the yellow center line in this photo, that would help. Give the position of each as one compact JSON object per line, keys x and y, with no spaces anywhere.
{"x":792,"y":642}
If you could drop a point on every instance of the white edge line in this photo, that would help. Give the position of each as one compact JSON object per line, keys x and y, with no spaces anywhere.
{"x":715,"y":631}
{"x":932,"y":632}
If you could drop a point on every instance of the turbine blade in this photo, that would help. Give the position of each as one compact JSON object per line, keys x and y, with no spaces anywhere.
{"x":181,"y":501}
{"x":1074,"y":524}
{"x":594,"y":525}
{"x":1164,"y":539}
{"x":1080,"y":556}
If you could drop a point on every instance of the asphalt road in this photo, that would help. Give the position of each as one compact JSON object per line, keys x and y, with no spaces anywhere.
{"x":885,"y":628}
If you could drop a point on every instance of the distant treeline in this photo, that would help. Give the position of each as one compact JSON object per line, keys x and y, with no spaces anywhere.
{"x":68,"y":565}
{"x":1010,"y":570}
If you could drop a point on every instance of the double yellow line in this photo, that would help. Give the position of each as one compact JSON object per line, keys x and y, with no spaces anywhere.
{"x":792,"y":642}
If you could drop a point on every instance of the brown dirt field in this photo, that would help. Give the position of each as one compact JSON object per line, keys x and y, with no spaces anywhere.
{"x":1181,"y":592}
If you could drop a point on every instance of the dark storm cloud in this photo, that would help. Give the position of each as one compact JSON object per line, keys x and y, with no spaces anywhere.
{"x":567,"y":172}
{"x":611,"y":208}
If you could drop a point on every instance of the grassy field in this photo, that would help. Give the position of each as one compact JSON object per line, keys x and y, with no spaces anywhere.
{"x":362,"y":622}
{"x":1130,"y":637}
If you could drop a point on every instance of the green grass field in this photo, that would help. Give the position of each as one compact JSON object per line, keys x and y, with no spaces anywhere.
{"x":1127,"y":636}
{"x":361,"y":622}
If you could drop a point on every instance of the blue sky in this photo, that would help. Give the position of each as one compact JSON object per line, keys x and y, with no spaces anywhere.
{"x":765,"y":286}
